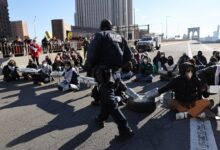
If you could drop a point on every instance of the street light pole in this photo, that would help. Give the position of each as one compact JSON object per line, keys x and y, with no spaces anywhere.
{"x":167,"y":26}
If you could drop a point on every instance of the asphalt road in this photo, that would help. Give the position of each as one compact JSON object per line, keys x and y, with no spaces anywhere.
{"x":43,"y":118}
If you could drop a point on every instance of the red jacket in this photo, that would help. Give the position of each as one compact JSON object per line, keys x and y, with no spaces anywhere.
{"x":35,"y":50}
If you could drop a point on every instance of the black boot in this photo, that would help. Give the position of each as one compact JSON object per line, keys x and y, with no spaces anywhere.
{"x":124,"y":136}
{"x":99,"y":123}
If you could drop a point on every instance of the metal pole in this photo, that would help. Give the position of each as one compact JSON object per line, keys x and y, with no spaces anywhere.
{"x":166,"y":27}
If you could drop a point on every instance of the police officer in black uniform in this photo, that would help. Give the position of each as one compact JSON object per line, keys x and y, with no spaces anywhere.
{"x":107,"y":52}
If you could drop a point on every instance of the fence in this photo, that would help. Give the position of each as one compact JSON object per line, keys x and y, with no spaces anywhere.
{"x":9,"y":49}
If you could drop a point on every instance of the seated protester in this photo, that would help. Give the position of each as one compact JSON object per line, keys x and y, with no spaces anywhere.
{"x":188,"y":91}
{"x":145,"y":71}
{"x":126,"y":71}
{"x":10,"y":71}
{"x":212,"y":61}
{"x":170,"y":70}
{"x":43,"y":75}
{"x":156,"y":61}
{"x":201,"y":61}
{"x":210,"y":75}
{"x":77,"y":59}
{"x":29,"y":76}
{"x":162,"y":61}
{"x":48,"y":60}
{"x":70,"y":78}
{"x":184,"y":58}
{"x":58,"y":65}
{"x":135,"y":65}
{"x":65,"y":56}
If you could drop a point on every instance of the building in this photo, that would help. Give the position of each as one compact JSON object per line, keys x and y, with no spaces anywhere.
{"x":89,"y":13}
{"x":60,"y":29}
{"x":83,"y":31}
{"x":19,"y":29}
{"x":5,"y":30}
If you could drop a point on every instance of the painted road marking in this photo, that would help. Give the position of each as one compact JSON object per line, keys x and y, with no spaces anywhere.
{"x":201,"y":135}
{"x":189,"y":50}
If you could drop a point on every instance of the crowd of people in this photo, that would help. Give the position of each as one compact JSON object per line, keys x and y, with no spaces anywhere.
{"x":108,"y":56}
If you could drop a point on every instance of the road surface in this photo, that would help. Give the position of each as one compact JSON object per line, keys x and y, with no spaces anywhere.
{"x":43,"y":118}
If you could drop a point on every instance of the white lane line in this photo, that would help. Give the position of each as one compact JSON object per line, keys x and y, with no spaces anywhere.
{"x":189,"y":50}
{"x":201,"y":135}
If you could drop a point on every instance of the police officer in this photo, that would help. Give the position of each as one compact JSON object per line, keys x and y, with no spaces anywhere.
{"x":107,"y":52}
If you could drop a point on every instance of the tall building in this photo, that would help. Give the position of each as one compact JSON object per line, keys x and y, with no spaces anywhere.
{"x":19,"y":28}
{"x":60,"y":28}
{"x":89,"y":13}
{"x":4,"y":19}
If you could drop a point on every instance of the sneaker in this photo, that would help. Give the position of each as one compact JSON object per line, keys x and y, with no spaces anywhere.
{"x":125,"y":136}
{"x":99,"y":123}
{"x":182,"y":115}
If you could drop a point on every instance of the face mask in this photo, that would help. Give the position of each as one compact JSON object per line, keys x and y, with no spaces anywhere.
{"x":67,"y":67}
{"x":170,"y":62}
{"x":189,"y":75}
{"x":145,"y":60}
{"x":45,"y":65}
{"x":11,"y":67}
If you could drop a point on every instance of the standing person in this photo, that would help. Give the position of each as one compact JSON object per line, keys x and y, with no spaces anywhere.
{"x":107,"y":52}
{"x":35,"y":51}
{"x":85,"y":46}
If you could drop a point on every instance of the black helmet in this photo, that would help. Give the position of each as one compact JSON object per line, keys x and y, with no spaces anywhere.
{"x":105,"y":25}
{"x":185,"y":66}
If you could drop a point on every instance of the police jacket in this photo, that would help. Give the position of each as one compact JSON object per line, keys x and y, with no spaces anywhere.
{"x":185,"y":90}
{"x":108,"y":49}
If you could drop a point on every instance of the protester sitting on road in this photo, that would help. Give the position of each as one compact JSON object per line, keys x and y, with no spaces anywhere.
{"x":200,"y":59}
{"x":66,"y":56}
{"x":188,"y":91}
{"x":70,"y":78}
{"x":77,"y":58}
{"x":156,"y":61}
{"x":48,"y":60}
{"x":126,"y":71}
{"x":136,"y":60}
{"x":184,"y":58}
{"x":145,"y":71}
{"x":215,"y":56}
{"x":10,"y":71}
{"x":212,"y":61}
{"x":211,"y":76}
{"x":58,"y":65}
{"x":28,"y":76}
{"x":162,"y":61}
{"x":170,"y":70}
{"x":35,"y":51}
{"x":43,"y":75}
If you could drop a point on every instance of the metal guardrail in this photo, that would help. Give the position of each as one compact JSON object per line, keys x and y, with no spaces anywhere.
{"x":9,"y":50}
